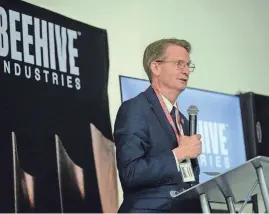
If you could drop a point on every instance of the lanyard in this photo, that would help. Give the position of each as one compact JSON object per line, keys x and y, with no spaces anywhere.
{"x":167,"y":114}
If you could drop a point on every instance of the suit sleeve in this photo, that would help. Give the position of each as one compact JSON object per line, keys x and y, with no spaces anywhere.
{"x":136,"y":167}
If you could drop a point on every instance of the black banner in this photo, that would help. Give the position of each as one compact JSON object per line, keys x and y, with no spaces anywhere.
{"x":54,"y":103}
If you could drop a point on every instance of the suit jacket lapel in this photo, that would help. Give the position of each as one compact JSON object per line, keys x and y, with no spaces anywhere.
{"x":157,"y":108}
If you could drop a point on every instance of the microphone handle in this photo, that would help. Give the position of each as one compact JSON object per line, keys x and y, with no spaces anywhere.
{"x":193,"y":124}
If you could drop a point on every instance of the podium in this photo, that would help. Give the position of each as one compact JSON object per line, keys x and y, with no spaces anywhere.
{"x":235,"y":185}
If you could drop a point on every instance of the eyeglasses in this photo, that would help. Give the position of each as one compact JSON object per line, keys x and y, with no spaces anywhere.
{"x":180,"y":64}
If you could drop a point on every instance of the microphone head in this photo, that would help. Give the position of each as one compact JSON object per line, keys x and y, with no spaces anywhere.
{"x":193,"y":110}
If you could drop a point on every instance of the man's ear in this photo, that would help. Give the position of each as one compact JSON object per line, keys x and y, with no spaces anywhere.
{"x":155,"y":69}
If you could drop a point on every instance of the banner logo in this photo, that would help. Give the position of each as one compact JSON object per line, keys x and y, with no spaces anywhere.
{"x":38,"y":50}
{"x":214,"y":137}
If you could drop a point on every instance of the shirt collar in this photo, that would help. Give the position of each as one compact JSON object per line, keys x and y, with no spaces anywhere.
{"x":168,"y":104}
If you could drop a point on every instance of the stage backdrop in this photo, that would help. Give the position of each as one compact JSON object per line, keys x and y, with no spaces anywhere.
{"x":219,"y":123}
{"x":56,"y":150}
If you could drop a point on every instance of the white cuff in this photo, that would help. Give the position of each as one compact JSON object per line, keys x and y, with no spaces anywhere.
{"x":177,"y":162}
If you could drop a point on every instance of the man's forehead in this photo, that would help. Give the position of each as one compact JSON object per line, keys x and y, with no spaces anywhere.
{"x":177,"y":51}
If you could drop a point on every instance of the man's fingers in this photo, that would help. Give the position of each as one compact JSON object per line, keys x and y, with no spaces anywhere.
{"x":198,"y":136}
{"x":198,"y":143}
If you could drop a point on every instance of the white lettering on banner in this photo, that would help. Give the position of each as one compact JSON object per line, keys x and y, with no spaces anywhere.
{"x":37,"y":74}
{"x":15,"y":36}
{"x":3,"y":33}
{"x":214,"y":139}
{"x":27,"y":39}
{"x":39,"y":50}
{"x":41,"y":43}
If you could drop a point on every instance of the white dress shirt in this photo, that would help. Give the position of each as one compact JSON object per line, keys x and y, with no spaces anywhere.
{"x":169,"y":107}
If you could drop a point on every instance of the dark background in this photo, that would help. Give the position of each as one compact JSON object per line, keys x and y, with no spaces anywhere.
{"x":36,"y":111}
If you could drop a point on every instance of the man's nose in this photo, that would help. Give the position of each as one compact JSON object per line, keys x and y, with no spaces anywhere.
{"x":186,"y":70}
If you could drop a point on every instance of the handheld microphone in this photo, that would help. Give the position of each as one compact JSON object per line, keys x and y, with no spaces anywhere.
{"x":193,"y":111}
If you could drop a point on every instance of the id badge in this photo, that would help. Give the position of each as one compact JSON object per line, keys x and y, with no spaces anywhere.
{"x":187,"y":171}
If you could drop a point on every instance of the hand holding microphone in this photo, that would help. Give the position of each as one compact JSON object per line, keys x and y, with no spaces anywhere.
{"x":190,"y":146}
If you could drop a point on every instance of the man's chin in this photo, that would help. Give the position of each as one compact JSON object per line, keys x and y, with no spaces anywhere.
{"x":181,"y":88}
